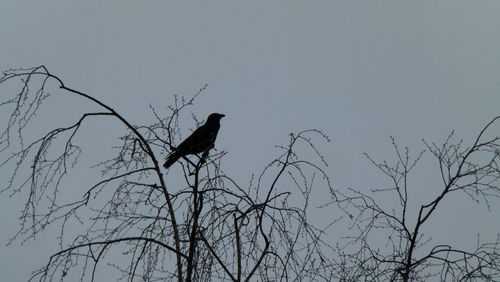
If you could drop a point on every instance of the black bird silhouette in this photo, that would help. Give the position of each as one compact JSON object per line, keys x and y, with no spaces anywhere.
{"x":201,"y":140}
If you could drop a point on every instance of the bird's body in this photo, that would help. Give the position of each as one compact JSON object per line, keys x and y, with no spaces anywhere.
{"x":201,"y":140}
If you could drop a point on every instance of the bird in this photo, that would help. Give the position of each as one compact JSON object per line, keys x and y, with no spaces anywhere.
{"x":201,"y":140}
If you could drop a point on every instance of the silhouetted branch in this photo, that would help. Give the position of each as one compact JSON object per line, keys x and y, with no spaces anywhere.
{"x":206,"y":226}
{"x":473,"y":170}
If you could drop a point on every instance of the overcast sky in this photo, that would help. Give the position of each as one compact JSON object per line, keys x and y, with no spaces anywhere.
{"x":359,"y":70}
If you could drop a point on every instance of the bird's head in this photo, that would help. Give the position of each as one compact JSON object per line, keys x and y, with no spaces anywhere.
{"x":215,"y":117}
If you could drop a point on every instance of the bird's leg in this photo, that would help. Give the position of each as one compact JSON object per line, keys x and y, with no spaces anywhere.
{"x":200,"y":162}
{"x":203,"y":157}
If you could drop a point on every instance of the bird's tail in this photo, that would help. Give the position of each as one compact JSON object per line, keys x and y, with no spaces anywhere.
{"x":171,"y":159}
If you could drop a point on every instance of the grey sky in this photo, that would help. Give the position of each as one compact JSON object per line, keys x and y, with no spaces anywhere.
{"x":359,"y":70}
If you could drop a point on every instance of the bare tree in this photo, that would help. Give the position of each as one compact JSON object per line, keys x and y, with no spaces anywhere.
{"x":407,"y":251}
{"x":201,"y":225}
